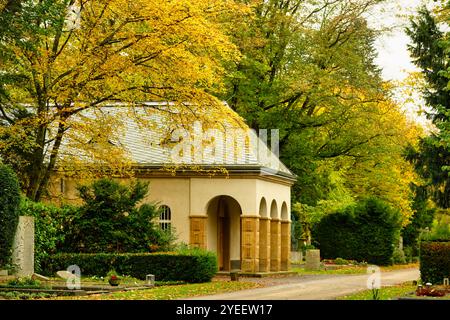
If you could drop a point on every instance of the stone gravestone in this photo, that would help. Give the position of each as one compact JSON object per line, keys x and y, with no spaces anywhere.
{"x":312,"y":259}
{"x":296,"y":257}
{"x":23,"y":247}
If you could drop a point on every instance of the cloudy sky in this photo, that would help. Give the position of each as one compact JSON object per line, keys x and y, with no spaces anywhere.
{"x":392,"y":46}
{"x":393,"y":55}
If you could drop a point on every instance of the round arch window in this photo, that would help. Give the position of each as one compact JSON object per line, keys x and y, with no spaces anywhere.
{"x":165,"y":218}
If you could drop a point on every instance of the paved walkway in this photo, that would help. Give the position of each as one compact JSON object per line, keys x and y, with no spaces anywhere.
{"x":324,"y":288}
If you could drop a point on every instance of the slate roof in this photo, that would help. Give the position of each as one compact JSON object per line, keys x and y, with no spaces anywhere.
{"x":152,"y":146}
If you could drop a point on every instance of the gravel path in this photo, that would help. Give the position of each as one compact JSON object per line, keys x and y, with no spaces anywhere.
{"x":314,"y":287}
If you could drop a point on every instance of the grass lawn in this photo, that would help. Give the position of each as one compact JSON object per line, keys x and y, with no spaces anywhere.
{"x":354,"y":269}
{"x":385,"y":293}
{"x":172,"y":291}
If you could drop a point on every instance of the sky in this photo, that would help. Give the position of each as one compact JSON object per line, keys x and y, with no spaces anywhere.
{"x":393,"y":55}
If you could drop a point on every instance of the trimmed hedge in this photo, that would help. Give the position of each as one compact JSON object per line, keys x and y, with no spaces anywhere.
{"x":190,"y":266}
{"x":9,"y":213}
{"x":367,"y":232}
{"x":434,"y":261}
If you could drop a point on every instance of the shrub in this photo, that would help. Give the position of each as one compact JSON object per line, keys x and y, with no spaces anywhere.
{"x":398,"y":257}
{"x":367,"y":231}
{"x":434,"y":261}
{"x":47,"y":227}
{"x":9,"y":213}
{"x":110,"y":221}
{"x":408,"y":254}
{"x":26,"y":282}
{"x":340,"y":261}
{"x":440,"y":231}
{"x":187,"y":265}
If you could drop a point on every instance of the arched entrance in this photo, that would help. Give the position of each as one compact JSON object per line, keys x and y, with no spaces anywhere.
{"x":224,"y":231}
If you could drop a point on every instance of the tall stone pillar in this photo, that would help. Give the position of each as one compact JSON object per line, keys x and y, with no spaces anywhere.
{"x":250,"y":244}
{"x":275,"y":244}
{"x":197,"y":232}
{"x":264,"y":244}
{"x":285,"y":245}
{"x":23,"y":247}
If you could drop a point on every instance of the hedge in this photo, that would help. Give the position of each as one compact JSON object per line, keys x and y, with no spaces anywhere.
{"x":434,"y":261}
{"x":189,"y":266}
{"x":9,"y":213}
{"x":367,"y":231}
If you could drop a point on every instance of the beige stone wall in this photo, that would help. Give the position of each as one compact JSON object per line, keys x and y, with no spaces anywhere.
{"x":281,"y":193}
{"x":263,"y":247}
{"x":205,"y":189}
{"x":175,"y":194}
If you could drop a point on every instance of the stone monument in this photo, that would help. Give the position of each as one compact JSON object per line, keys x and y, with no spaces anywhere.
{"x":312,"y":259}
{"x":23,"y":247}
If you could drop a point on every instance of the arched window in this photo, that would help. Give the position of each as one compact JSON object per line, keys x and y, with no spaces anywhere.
{"x":165,"y":218}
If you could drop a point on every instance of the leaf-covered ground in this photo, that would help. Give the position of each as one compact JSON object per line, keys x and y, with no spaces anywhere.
{"x":172,"y":291}
{"x":353,"y":269}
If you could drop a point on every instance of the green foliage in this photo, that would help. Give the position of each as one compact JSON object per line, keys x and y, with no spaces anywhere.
{"x":422,"y":219}
{"x":188,"y":265}
{"x":429,"y":50}
{"x":26,"y":282}
{"x":340,"y":261}
{"x":9,"y":213}
{"x":308,"y":69}
{"x":48,"y":227}
{"x":398,"y":257}
{"x":296,"y":231}
{"x":434,"y":261}
{"x":367,"y":231}
{"x":110,"y":221}
{"x":440,"y":231}
{"x":431,"y":56}
{"x":15,"y":295}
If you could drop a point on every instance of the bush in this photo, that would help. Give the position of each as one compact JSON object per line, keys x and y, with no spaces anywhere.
{"x":434,"y":261}
{"x":47,"y":227}
{"x":110,"y":221}
{"x":340,"y":261}
{"x":440,"y":231}
{"x":187,"y":265}
{"x":408,"y":254}
{"x":367,"y":231}
{"x":398,"y":257}
{"x":9,"y":213}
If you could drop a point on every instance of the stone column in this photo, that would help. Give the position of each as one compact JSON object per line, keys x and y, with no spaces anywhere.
{"x":264,"y":244}
{"x":250,"y":244}
{"x":275,"y":244}
{"x":285,"y":245}
{"x":23,"y":247}
{"x":197,"y":232}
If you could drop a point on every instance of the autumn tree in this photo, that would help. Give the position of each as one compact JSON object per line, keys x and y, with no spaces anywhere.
{"x":308,"y":69}
{"x":62,"y":58}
